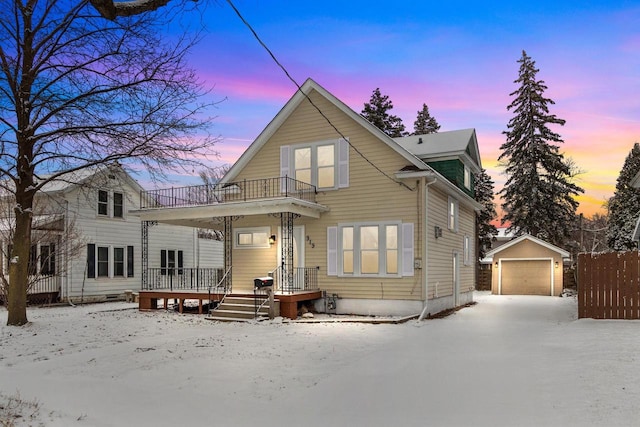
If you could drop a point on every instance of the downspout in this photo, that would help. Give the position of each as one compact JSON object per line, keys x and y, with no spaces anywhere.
{"x":425,"y":263}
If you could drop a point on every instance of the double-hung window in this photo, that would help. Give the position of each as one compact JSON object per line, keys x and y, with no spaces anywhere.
{"x":370,"y":249}
{"x":110,"y":204}
{"x":324,"y":164}
{"x":107,"y":261}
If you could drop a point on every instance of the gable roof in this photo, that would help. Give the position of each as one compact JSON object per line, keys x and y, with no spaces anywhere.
{"x":302,"y":96}
{"x":447,"y":145}
{"x":69,"y":181}
{"x":529,"y":237}
{"x":415,"y":165}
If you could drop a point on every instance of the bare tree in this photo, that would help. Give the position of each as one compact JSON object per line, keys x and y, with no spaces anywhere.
{"x":77,"y":90}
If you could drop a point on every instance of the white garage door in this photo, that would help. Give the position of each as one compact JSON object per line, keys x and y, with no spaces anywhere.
{"x":526,"y":277}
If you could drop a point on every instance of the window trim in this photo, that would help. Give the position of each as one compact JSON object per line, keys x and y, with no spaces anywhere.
{"x":340,"y":162}
{"x":467,"y":177}
{"x":467,"y":250}
{"x":110,"y":204}
{"x":382,"y":249}
{"x":93,"y":250}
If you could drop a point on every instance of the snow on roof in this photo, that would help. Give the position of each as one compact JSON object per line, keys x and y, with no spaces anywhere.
{"x":434,"y":146}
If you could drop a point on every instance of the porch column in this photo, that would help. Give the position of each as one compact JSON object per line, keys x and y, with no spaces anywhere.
{"x":228,"y":252}
{"x":286,"y":248}
{"x":145,"y":252}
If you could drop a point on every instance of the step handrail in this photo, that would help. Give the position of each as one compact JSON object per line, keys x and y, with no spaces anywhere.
{"x":227,"y":289}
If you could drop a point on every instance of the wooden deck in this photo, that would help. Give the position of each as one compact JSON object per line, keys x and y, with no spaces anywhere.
{"x":148,"y":300}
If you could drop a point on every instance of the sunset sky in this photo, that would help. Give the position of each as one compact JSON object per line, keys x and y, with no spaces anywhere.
{"x":457,"y":57}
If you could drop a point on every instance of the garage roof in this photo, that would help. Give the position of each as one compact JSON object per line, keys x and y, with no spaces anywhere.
{"x":519,"y":239}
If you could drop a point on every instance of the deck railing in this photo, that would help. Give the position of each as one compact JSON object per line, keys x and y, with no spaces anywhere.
{"x":195,"y":279}
{"x":304,"y":279}
{"x":240,"y":191}
{"x":48,"y":283}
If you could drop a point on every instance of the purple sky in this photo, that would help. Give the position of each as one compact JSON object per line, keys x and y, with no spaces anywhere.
{"x":459,"y":58}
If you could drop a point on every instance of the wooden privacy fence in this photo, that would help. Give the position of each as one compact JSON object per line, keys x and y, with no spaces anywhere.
{"x":609,"y":285}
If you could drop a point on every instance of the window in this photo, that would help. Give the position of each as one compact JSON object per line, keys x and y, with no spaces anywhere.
{"x":468,"y":250}
{"x":171,"y":262}
{"x":104,"y":261}
{"x":118,"y":262}
{"x":48,"y":259}
{"x":452,"y":221}
{"x":467,"y":177}
{"x":324,"y":164}
{"x":118,"y":205}
{"x":103,"y":203}
{"x":384,"y":249}
{"x":256,"y":237}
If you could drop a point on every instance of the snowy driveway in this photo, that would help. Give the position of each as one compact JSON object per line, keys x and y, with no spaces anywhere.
{"x":507,"y":361}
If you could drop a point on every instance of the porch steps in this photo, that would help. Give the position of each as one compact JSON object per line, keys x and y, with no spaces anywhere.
{"x":240,"y":309}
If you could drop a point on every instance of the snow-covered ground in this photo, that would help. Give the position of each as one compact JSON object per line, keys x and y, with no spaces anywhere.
{"x":507,"y":361}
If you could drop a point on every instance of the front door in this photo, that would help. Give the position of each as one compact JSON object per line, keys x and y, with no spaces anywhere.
{"x":298,"y":255}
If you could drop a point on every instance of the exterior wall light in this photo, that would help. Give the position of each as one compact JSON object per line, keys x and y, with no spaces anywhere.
{"x":272,"y":239}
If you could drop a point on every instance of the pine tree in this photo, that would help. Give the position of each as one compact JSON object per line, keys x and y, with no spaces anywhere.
{"x":538,"y":196}
{"x":425,"y":123}
{"x":377,"y":112}
{"x":484,"y":195}
{"x":624,"y":206}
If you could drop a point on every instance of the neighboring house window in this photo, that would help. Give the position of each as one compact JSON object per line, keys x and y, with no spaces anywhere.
{"x":255,"y":237}
{"x":467,"y":177}
{"x":103,"y":202}
{"x":382,"y":249}
{"x":48,"y":259}
{"x":452,"y":214}
{"x":171,"y":262}
{"x":104,"y":261}
{"x":324,"y":164}
{"x":118,"y":205}
{"x":468,"y":251}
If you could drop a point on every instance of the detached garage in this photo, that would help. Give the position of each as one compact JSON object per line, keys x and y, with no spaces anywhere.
{"x":527,"y":266}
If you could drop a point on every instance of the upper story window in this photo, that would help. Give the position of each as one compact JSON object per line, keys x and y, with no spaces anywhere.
{"x":103,"y":202}
{"x":452,"y":214}
{"x":324,"y":164}
{"x":467,"y":177}
{"x":111,"y":204}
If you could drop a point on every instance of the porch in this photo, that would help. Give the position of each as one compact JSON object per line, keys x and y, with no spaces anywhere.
{"x":210,"y":286}
{"x":219,"y":207}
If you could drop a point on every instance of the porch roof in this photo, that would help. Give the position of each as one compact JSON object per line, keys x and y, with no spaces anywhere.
{"x":204,"y":216}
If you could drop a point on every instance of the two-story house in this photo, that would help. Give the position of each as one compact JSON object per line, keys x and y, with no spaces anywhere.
{"x":341,"y":214}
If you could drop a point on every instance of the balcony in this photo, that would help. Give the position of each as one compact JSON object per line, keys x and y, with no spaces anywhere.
{"x":233,"y":192}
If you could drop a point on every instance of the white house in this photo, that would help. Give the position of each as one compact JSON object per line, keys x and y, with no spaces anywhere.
{"x":93,"y":250}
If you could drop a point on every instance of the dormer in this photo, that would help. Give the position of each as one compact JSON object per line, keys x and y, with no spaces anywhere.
{"x":454,"y":154}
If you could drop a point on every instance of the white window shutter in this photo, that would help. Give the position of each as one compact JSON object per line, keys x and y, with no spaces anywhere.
{"x":407,"y":249}
{"x":284,"y":167}
{"x":343,"y":164}
{"x":332,"y":251}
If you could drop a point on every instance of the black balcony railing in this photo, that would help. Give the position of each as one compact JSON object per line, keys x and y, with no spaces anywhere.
{"x":302,"y":279}
{"x":241,"y":191}
{"x":173,"y":279}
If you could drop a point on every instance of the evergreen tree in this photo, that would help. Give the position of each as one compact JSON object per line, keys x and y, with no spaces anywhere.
{"x":538,"y":196}
{"x":425,"y":123}
{"x":624,"y":206}
{"x":377,"y":112}
{"x":484,"y":195}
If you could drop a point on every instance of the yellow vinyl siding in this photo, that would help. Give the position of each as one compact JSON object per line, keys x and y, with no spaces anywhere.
{"x":440,"y":264}
{"x":370,"y":197}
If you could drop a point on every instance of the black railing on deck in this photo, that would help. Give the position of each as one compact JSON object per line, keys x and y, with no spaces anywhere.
{"x":195,"y":279}
{"x":241,"y":191}
{"x":304,"y":279}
